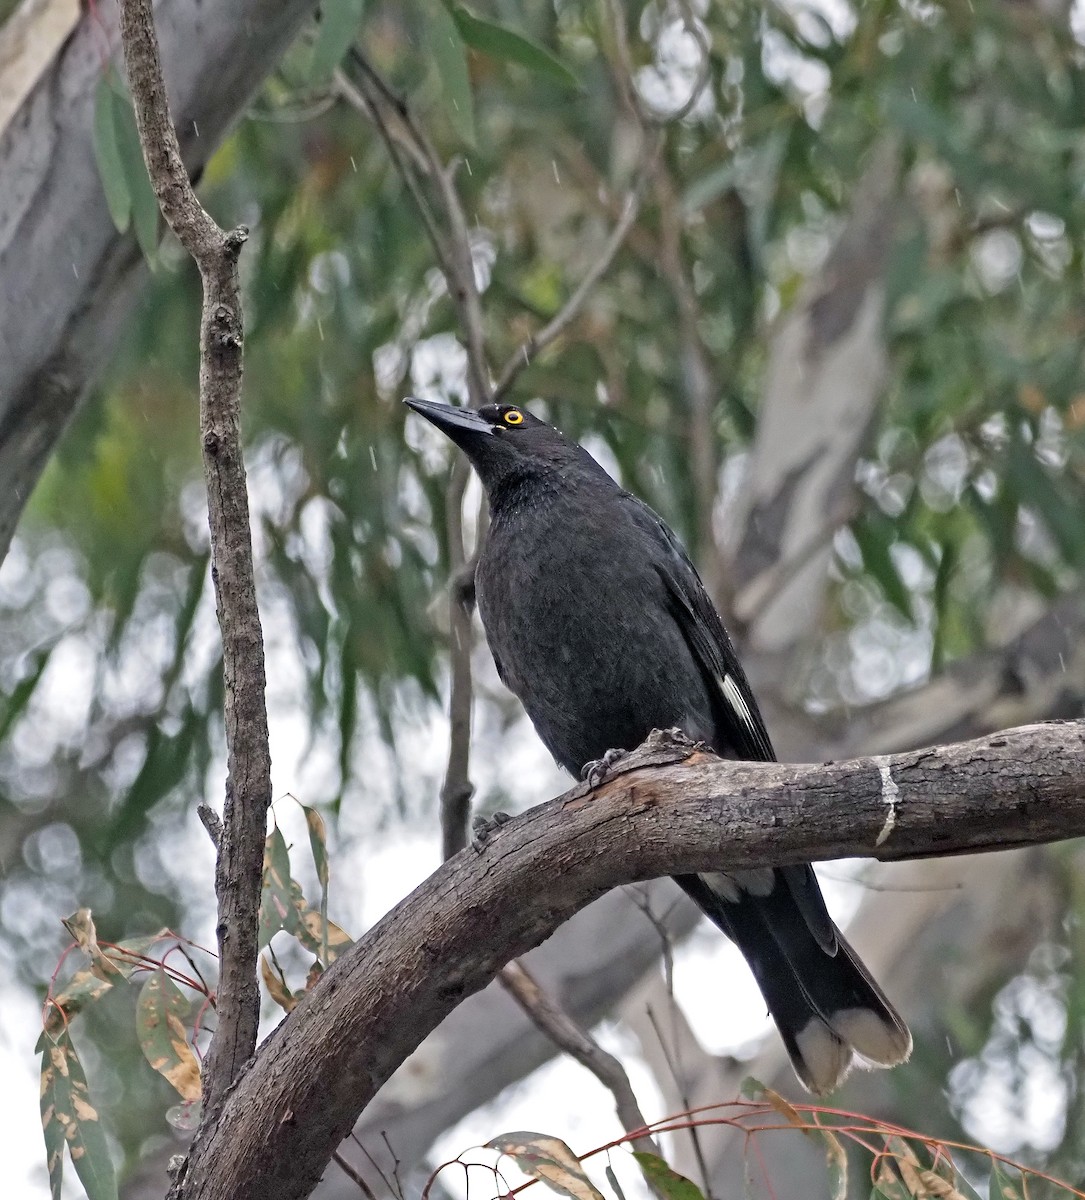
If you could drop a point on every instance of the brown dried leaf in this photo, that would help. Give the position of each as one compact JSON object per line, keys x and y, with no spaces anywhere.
{"x":790,"y":1114}
{"x":162,"y":1035}
{"x":311,"y":929}
{"x":69,"y":1119}
{"x":547,"y":1159}
{"x":82,"y":989}
{"x":81,"y":926}
{"x":318,"y":844}
{"x":276,"y":985}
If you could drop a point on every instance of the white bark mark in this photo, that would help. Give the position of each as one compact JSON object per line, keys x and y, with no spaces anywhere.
{"x":890,"y":795}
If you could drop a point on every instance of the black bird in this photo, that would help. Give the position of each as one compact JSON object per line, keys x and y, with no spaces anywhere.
{"x":600,"y":624}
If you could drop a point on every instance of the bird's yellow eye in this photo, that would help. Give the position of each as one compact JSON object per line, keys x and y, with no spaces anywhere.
{"x":513,"y":417}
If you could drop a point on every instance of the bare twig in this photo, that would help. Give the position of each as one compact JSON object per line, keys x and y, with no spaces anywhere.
{"x":353,"y":1175}
{"x":696,"y":30}
{"x":248,"y":786}
{"x":653,"y":148}
{"x":563,"y":1031}
{"x":666,"y":950}
{"x":683,"y":1092}
{"x":699,"y":383}
{"x":397,"y":1188}
{"x":867,"y":885}
{"x":700,"y":386}
{"x":372,"y":1161}
{"x":763,"y":589}
{"x":416,"y":159}
{"x":616,"y":17}
{"x":673,"y":1066}
{"x":624,"y":76}
{"x":457,"y":263}
{"x":212,"y":822}
{"x":401,"y":147}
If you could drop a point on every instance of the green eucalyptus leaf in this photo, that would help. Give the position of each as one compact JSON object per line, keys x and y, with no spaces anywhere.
{"x":107,"y":154}
{"x":70,"y":1119}
{"x":498,"y":41}
{"x":339,"y":23}
{"x":445,"y":46}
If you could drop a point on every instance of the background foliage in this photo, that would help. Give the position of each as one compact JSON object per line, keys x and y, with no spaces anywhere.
{"x":971,"y":487}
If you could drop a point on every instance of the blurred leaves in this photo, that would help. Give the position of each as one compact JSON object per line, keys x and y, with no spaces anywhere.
{"x":339,"y":22}
{"x":498,"y":41}
{"x":446,"y":48}
{"x":970,"y":492}
{"x":875,"y":536}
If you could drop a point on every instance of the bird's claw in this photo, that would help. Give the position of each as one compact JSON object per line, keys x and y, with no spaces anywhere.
{"x":484,"y":828}
{"x":593,"y":773}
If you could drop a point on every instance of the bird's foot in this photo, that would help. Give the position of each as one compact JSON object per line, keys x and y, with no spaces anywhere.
{"x":483,"y":828}
{"x":593,"y":773}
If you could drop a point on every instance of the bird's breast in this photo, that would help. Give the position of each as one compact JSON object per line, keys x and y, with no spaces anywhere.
{"x":580,"y":626}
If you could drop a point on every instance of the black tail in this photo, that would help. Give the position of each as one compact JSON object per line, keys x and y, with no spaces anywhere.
{"x":824,"y":1002}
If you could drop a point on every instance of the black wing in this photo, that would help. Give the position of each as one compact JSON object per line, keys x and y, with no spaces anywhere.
{"x":742,"y":729}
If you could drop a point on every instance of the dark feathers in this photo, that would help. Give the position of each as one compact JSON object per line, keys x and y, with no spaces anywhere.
{"x":599,"y":622}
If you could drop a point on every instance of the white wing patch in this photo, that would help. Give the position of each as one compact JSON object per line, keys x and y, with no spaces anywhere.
{"x":732,"y":693}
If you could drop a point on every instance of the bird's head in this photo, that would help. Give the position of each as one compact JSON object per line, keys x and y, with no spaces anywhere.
{"x":502,"y":441}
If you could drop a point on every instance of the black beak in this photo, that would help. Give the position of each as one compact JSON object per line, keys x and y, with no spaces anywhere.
{"x":449,"y":419}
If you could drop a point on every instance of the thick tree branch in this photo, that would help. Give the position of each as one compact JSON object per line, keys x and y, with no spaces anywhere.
{"x":248,"y":786}
{"x":1040,"y":675}
{"x":58,"y":244}
{"x":321,"y":1067}
{"x":825,"y":379}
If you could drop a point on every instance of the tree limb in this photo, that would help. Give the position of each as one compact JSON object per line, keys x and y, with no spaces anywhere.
{"x":248,"y":785}
{"x":565,"y":1033}
{"x":58,"y":243}
{"x":1040,"y":675}
{"x":321,"y":1067}
{"x":824,"y":382}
